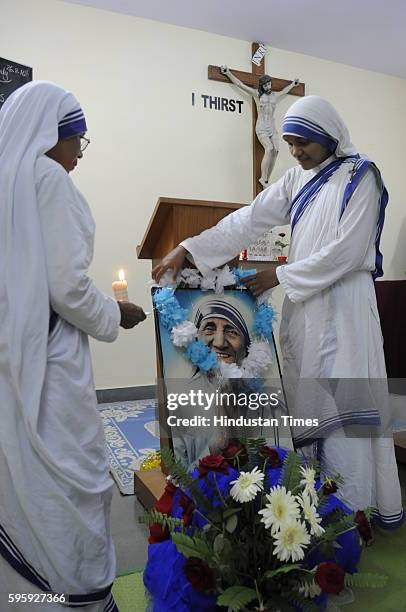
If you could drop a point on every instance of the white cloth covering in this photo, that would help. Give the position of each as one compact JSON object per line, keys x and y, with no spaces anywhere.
{"x":319,"y":112}
{"x":55,"y":486}
{"x":11,"y":583}
{"x":330,"y":324}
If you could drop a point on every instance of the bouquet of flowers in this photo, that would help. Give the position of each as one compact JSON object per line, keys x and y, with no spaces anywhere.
{"x":252,"y":528}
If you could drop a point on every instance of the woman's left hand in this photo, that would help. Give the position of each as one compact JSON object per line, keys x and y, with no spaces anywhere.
{"x":261,"y":281}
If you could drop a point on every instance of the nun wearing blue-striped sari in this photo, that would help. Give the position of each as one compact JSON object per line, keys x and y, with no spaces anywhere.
{"x":56,"y":490}
{"x":330,"y":335}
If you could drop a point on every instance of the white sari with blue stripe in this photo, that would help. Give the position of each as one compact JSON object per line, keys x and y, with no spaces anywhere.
{"x":333,"y":361}
{"x":55,"y":487}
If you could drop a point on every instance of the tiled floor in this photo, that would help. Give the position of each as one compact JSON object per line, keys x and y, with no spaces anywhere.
{"x":130,"y":537}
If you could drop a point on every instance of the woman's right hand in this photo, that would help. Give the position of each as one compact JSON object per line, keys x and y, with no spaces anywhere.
{"x":172,"y":261}
{"x":131,"y":314}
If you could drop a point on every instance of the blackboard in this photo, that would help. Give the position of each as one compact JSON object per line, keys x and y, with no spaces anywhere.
{"x":12,"y":76}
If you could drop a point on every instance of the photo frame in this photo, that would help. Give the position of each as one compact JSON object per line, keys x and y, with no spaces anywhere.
{"x":225,"y":323}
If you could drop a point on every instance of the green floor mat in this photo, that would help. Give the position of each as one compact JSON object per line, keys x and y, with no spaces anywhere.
{"x":129,"y":593}
{"x":386,"y":556}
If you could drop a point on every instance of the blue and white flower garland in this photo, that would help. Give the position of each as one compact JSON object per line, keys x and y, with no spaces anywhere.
{"x":184,"y":333}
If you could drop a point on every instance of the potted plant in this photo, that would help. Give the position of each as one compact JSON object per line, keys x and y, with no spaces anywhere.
{"x":280,"y":244}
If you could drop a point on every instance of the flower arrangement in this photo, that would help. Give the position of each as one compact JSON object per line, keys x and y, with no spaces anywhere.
{"x":184,"y":332}
{"x":252,"y":528}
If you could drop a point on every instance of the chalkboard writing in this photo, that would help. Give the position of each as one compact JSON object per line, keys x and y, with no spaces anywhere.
{"x":12,"y":76}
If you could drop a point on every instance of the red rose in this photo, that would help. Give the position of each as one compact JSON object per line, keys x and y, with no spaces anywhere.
{"x":233,"y":450}
{"x":164,"y":506}
{"x":364,"y":527}
{"x":188,"y":508}
{"x":330,"y":577}
{"x":329,"y":487}
{"x":157,"y":534}
{"x":199,"y":574}
{"x":212,"y":463}
{"x":164,"y":503}
{"x":271,"y":454}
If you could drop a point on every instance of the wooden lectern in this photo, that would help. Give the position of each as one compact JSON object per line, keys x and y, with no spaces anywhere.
{"x":172,"y":221}
{"x":175,"y":219}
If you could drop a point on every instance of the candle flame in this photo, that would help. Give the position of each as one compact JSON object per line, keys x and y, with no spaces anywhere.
{"x":121,"y":275}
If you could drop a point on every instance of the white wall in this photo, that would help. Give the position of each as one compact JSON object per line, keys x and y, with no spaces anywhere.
{"x":134,"y":79}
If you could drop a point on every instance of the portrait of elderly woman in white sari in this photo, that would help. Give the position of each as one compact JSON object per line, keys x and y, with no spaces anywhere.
{"x":225,"y":323}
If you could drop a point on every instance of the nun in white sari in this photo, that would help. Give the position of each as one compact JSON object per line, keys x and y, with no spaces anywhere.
{"x":333,"y":361}
{"x":54,"y":480}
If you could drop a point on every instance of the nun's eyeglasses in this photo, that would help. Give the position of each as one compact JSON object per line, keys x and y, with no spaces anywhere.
{"x":84,"y":142}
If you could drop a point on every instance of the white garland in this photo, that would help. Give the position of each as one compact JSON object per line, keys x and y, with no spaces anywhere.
{"x":183,"y":333}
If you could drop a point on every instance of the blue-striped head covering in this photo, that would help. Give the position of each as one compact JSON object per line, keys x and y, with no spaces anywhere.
{"x":71,"y":124}
{"x":222,"y":309}
{"x":317,"y":120}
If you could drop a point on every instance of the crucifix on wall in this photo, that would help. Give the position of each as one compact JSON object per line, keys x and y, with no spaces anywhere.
{"x":264,"y":142}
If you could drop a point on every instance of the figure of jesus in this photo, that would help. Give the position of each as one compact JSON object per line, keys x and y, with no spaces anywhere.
{"x":266,"y":101}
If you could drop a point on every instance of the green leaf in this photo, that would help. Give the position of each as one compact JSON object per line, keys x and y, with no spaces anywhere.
{"x":236,"y":597}
{"x":306,"y":605}
{"x":162,"y":519}
{"x":232,"y":523}
{"x":253,"y":445}
{"x":230,"y":511}
{"x":182,"y":477}
{"x":291,"y":475}
{"x":284,"y":569}
{"x":365,"y":580}
{"x":191,"y":547}
{"x":216,"y":516}
{"x":334,"y":529}
{"x":203,"y":548}
{"x":327,"y":549}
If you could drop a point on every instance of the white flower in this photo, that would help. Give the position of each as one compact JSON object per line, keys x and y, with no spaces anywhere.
{"x":209,"y":281}
{"x":258,"y":359}
{"x":225,"y":278}
{"x":290,"y":541}
{"x":310,"y":514}
{"x":183,"y":333}
{"x":190,"y":277}
{"x":230,"y":370}
{"x":264,"y":297}
{"x":166,"y":279}
{"x":281,"y":507}
{"x":309,"y":475}
{"x":312,"y":493}
{"x":247,"y":485}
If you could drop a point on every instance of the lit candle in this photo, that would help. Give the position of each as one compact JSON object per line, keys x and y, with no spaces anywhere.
{"x":120,"y":287}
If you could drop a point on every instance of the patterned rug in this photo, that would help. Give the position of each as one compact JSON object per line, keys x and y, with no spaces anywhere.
{"x":132,"y":433}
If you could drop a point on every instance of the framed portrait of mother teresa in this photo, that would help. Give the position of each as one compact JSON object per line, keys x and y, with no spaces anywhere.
{"x":205,"y":407}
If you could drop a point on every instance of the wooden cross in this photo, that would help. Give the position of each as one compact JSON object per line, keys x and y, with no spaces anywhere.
{"x":252,"y":80}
